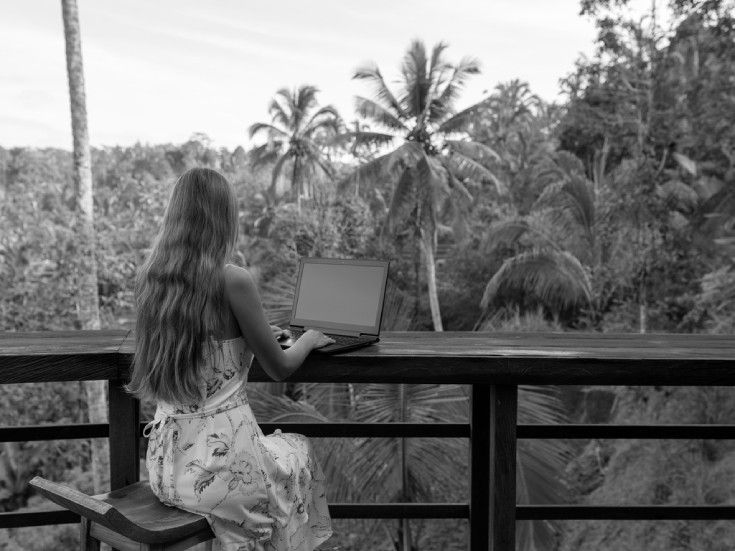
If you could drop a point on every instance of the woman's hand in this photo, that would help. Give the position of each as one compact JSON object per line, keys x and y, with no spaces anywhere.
{"x":317,"y":338}
{"x":279,"y":333}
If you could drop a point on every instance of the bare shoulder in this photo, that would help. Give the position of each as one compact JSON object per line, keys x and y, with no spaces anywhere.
{"x":238,"y":279}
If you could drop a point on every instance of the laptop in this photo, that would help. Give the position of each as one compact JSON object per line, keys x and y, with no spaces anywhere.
{"x":342,"y":298}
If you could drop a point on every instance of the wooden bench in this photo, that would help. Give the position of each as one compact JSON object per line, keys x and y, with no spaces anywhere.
{"x":129,"y":519}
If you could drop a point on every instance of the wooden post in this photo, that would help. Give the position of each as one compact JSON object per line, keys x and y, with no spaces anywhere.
{"x":503,"y":419}
{"x":480,"y":468}
{"x":124,"y":438}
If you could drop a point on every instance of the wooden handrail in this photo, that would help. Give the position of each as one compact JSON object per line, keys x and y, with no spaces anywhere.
{"x":494,"y":364}
{"x":418,"y":357}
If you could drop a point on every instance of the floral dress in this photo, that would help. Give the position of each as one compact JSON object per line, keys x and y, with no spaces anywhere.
{"x":258,"y":493}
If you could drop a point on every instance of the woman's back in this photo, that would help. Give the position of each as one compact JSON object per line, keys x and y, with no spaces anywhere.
{"x":222,"y":378}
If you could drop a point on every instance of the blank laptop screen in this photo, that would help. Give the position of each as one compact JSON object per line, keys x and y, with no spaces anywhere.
{"x":339,"y":293}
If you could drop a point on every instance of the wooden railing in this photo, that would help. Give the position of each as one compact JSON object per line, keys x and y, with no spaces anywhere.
{"x":494,"y":364}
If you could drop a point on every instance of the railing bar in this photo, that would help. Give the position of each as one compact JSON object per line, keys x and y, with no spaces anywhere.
{"x":407,"y":430}
{"x":449,"y":510}
{"x":480,"y":454}
{"x":399,"y":510}
{"x":503,"y":454}
{"x":375,"y":430}
{"x":336,"y":510}
{"x":124,"y":416}
{"x":37,"y":518}
{"x":625,"y":512}
{"x":30,"y":433}
{"x":668,"y":431}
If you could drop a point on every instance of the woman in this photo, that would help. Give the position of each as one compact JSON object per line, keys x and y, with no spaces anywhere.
{"x":199,"y":324}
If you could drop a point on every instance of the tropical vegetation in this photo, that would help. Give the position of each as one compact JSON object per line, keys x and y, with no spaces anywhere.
{"x":612,"y":210}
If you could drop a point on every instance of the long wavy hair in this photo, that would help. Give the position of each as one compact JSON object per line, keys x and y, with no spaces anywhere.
{"x":179,"y":289}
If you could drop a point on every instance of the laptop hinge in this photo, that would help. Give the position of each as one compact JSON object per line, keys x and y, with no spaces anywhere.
{"x":344,"y":332}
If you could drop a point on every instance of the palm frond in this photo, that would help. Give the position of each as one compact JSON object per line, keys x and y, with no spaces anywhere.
{"x":575,"y":195}
{"x":397,"y":309}
{"x":277,"y":298}
{"x":555,"y":278}
{"x":326,"y":117}
{"x":678,"y":194}
{"x":371,"y":72}
{"x":475,"y":150}
{"x":270,"y":129}
{"x":415,"y":79}
{"x":459,"y":121}
{"x":457,"y":205}
{"x":265,"y":154}
{"x":372,"y":110}
{"x":305,"y":97}
{"x":444,"y":104}
{"x":508,"y":233}
{"x":362,"y":138}
{"x":314,"y":155}
{"x":279,"y":114}
{"x":387,"y":166}
{"x":466,"y":167}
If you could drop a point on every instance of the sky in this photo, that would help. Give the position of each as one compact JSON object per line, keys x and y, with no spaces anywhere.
{"x":159,"y":71}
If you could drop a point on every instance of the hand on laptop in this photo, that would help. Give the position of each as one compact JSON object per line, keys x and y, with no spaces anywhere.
{"x":317,"y":338}
{"x":280,"y":334}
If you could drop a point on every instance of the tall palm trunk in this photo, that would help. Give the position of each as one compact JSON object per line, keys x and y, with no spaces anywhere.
{"x":87,"y":303}
{"x":427,"y":248}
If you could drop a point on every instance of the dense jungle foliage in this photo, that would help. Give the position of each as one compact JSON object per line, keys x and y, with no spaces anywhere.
{"x":613,"y":210}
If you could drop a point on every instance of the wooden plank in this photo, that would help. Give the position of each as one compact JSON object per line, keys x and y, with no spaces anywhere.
{"x":625,"y":512}
{"x":503,"y":418}
{"x":399,"y":510}
{"x":76,"y":342}
{"x":488,"y":370}
{"x":427,"y":357}
{"x":451,"y":344}
{"x":57,"y":367}
{"x":480,"y":468}
{"x":654,"y":432}
{"x":124,"y":416}
{"x":29,"y":433}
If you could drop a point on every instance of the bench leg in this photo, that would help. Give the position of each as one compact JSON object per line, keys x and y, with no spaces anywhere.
{"x":86,"y":541}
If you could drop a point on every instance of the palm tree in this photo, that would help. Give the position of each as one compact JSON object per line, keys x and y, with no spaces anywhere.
{"x":297,"y":134}
{"x":431,"y":163}
{"x":561,"y":229}
{"x":88,"y":299}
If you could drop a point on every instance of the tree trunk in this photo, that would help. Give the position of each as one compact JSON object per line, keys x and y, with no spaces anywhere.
{"x":642,"y":307}
{"x":87,"y":302}
{"x":427,"y":247}
{"x":296,"y":182}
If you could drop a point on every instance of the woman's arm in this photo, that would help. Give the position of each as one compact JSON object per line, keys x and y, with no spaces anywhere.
{"x":242,"y":294}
